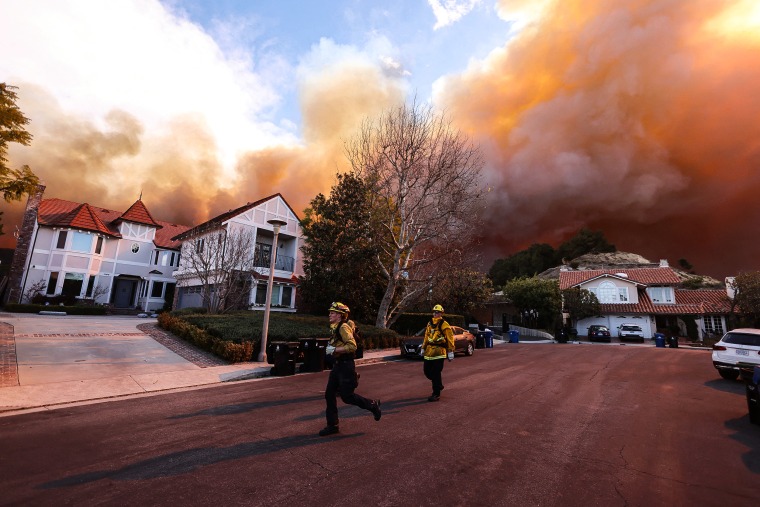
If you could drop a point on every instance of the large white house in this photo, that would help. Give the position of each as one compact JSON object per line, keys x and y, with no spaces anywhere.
{"x":77,"y":251}
{"x":252,"y":222}
{"x":649,"y":297}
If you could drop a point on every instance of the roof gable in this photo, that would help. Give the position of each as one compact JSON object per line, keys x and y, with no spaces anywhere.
{"x":219,"y":220}
{"x":84,"y":217}
{"x":139,"y":213}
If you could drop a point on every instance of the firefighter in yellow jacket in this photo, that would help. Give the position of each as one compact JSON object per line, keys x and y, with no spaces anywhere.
{"x":343,"y":379}
{"x":437,"y":346}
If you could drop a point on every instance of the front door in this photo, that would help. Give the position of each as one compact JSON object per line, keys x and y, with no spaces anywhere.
{"x":124,"y":293}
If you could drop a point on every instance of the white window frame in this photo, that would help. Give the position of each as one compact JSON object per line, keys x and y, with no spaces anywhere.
{"x":661,"y":295}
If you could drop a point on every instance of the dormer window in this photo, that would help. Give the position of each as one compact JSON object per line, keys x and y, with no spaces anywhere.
{"x":608,"y":292}
{"x":661,"y":295}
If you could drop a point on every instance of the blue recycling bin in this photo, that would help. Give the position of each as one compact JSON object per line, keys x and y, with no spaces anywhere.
{"x":659,"y":340}
{"x":514,"y":336}
{"x":488,"y":339}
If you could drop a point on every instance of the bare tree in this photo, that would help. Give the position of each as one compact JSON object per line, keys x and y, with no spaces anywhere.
{"x":222,"y":261}
{"x":33,"y":290}
{"x":424,"y":177}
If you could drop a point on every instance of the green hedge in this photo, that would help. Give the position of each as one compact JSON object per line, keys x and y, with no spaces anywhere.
{"x":236,"y":337}
{"x":70,"y":310}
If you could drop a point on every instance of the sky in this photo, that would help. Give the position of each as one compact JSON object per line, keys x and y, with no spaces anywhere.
{"x":639,"y":118}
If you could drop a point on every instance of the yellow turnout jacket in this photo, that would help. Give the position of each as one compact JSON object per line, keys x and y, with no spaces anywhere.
{"x":439,"y":339}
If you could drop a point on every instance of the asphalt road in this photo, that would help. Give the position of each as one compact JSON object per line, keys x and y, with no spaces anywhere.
{"x":522,"y":424}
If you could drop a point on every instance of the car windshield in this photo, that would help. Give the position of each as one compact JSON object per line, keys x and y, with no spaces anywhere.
{"x":601,"y":328}
{"x":742,"y":339}
{"x":631,"y":328}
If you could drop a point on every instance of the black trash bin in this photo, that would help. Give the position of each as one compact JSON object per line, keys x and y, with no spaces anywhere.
{"x":480,"y":340}
{"x":673,"y":342}
{"x":751,"y":377}
{"x":284,"y":358}
{"x":313,"y":350}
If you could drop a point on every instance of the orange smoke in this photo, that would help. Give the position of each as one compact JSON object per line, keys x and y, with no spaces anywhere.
{"x":639,"y":117}
{"x":178,"y":173}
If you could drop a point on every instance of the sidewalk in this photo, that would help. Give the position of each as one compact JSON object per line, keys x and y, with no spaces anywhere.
{"x":33,"y":398}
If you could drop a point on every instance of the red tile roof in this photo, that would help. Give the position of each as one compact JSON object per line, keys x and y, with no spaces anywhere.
{"x":84,"y":217}
{"x":688,"y":302}
{"x":139,"y":213}
{"x":60,"y":213}
{"x":644,"y":276}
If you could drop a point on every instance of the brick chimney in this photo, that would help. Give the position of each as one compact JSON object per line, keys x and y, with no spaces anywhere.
{"x":23,"y":244}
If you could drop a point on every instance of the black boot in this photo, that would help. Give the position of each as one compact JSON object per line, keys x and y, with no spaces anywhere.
{"x":328,"y":430}
{"x":375,"y":408}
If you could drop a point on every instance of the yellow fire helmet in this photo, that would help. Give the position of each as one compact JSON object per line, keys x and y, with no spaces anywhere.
{"x":339,"y":308}
{"x":438,"y":308}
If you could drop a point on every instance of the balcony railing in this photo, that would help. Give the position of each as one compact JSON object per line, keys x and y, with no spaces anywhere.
{"x":281,"y":263}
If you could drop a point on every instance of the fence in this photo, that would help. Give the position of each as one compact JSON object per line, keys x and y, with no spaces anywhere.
{"x":525,"y":333}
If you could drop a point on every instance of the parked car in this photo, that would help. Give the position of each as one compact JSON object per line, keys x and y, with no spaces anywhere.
{"x":737,"y":348}
{"x":464,"y":342}
{"x":598,"y":333}
{"x":631,"y":332}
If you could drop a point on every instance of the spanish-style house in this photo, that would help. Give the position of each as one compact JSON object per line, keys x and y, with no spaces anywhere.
{"x":204,"y":245}
{"x":78,"y":251}
{"x":651,"y":298}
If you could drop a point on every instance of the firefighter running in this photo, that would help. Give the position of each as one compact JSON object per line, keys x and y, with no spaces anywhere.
{"x":343,"y":379}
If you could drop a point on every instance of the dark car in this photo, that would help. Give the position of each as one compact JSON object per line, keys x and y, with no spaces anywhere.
{"x":464,"y":342}
{"x":597,"y":333}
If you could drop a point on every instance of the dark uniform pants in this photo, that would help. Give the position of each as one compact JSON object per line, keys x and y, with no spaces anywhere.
{"x":433,"y":369}
{"x":343,"y":381}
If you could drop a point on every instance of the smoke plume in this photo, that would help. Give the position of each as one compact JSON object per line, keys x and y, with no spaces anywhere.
{"x":637,"y":117}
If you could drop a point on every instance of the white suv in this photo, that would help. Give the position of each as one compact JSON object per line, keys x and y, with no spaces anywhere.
{"x":631,"y":332}
{"x":738,"y":348}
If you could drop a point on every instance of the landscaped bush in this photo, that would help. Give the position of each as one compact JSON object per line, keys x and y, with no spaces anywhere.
{"x":236,"y":337}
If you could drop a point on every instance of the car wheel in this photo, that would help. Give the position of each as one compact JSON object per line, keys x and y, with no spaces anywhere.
{"x":470,"y":349}
{"x":729,"y":374}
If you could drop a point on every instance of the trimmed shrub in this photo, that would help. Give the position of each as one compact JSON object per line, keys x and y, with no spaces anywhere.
{"x":236,"y":337}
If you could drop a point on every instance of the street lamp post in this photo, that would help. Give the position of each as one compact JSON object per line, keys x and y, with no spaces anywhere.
{"x":276,"y":224}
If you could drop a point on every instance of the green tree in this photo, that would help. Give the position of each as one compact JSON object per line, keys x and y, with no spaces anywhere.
{"x":14,"y":183}
{"x":747,"y":298}
{"x":539,"y":257}
{"x":584,"y":242}
{"x":580,"y":304}
{"x":685,"y":265}
{"x":424,"y":181}
{"x":461,"y":290}
{"x":537,"y":300}
{"x":536,"y":258}
{"x":340,"y":252}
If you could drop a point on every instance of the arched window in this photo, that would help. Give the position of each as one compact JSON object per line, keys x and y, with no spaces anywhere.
{"x":607,"y":292}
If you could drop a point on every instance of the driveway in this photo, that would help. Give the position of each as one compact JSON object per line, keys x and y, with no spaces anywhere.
{"x":73,"y":348}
